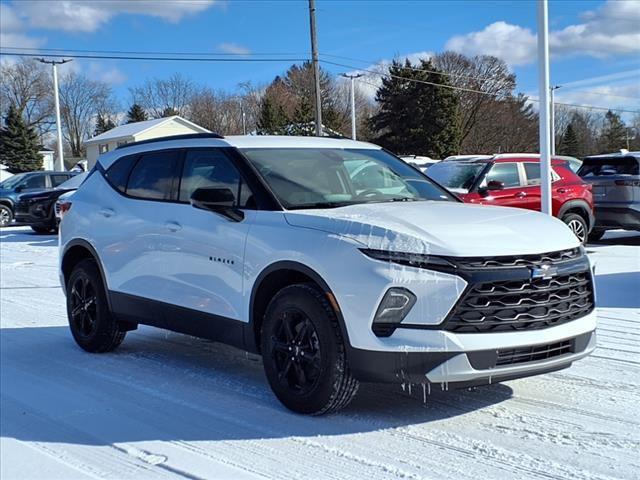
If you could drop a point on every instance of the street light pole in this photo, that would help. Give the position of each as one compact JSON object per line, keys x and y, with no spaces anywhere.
{"x":316,"y":71}
{"x":552,"y":114}
{"x":59,"y":166}
{"x":544,"y":123}
{"x":353,"y":102}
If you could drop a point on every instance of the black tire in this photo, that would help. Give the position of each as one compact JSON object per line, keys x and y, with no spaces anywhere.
{"x":326,"y":384}
{"x":596,"y":235}
{"x":578,"y":225}
{"x":6,"y":216}
{"x":42,"y":230}
{"x":92,"y":325}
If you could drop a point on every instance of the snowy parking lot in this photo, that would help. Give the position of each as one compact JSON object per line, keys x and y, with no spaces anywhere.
{"x":166,"y":405}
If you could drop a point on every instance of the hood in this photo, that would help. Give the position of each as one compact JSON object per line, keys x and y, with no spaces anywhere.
{"x":441,"y":228}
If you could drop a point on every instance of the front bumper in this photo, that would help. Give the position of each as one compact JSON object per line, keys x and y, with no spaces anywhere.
{"x":464,"y":369}
{"x":37,"y":215}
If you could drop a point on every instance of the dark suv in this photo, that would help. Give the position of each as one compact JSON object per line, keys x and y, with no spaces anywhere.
{"x":615,"y":179}
{"x":12,"y":187}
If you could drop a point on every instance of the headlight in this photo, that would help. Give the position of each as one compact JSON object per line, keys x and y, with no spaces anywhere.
{"x":415,"y":260}
{"x":395,"y":305}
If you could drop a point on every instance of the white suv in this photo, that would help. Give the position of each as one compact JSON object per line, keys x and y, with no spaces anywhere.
{"x":332,"y":258}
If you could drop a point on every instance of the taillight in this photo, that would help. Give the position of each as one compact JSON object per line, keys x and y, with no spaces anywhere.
{"x":628,"y":183}
{"x":64,"y":207}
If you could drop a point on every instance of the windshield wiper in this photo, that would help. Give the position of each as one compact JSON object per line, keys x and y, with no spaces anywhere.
{"x":320,"y":205}
{"x":403,"y":199}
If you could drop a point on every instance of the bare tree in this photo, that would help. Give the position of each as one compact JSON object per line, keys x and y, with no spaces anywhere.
{"x":217,"y":111}
{"x":157,"y":96}
{"x":81,"y":100}
{"x":28,"y":86}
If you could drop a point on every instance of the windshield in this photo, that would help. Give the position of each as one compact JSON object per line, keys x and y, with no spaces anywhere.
{"x":454,"y":174}
{"x":11,"y":182}
{"x":74,"y":182}
{"x":333,"y":177}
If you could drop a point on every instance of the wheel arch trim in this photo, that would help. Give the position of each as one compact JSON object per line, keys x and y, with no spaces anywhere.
{"x":82,"y":243}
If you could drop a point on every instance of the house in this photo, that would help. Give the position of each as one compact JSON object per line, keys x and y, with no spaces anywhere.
{"x":137,"y":131}
{"x":48,"y":162}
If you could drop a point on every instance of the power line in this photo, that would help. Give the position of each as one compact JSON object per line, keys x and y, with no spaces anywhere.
{"x":62,"y":51}
{"x":156,"y":58}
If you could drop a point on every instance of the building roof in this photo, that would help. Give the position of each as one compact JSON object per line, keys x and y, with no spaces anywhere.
{"x":132,"y":129}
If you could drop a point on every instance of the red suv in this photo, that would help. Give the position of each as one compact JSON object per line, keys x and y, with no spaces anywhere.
{"x":513,"y":180}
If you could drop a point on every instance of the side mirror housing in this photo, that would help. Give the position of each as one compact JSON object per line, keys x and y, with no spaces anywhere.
{"x":492,"y":185}
{"x":217,"y":200}
{"x":18,"y":189}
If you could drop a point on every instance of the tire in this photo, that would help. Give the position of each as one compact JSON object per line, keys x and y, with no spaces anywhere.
{"x":6,"y":216}
{"x":596,"y":235}
{"x":326,"y":385}
{"x":41,"y":230}
{"x":92,"y":325}
{"x":578,"y":225}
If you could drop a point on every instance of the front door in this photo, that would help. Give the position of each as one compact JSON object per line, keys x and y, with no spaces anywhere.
{"x":512,"y":195}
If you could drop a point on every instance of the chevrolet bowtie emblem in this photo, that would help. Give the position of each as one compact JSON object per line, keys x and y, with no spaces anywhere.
{"x":545,"y":272}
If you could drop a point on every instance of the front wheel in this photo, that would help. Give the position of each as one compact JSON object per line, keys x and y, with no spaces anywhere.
{"x":6,"y":216}
{"x":577,"y":225}
{"x":92,"y":325}
{"x":304,"y":354}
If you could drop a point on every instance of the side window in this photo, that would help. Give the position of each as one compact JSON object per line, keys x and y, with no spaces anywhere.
{"x":58,"y":179}
{"x":34,"y":181}
{"x":213,"y":169}
{"x":118,"y":173}
{"x":532,"y":171}
{"x":154,"y":175}
{"x":507,"y":173}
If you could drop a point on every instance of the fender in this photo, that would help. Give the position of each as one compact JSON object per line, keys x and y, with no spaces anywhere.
{"x":305,"y":270}
{"x":79,"y":242}
{"x":581,"y":204}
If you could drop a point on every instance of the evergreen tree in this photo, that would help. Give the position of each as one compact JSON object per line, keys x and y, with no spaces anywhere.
{"x":169,"y":112}
{"x":19,"y":144}
{"x":103,"y":124}
{"x":136,"y":114}
{"x":614,"y":133}
{"x":569,"y":144}
{"x":273,"y":120}
{"x":416,"y":115}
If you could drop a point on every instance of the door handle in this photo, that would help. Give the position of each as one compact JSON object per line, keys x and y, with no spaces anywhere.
{"x":521,"y":194}
{"x":107,"y":212}
{"x":173,"y":226}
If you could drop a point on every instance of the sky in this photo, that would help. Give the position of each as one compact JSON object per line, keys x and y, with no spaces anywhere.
{"x":595,"y":45}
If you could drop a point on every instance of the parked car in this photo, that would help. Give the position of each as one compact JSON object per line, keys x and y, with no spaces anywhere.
{"x":616,"y":190}
{"x":38,"y":209}
{"x":421,"y":163}
{"x":12,"y":187}
{"x":513,"y":180}
{"x":271,"y":245}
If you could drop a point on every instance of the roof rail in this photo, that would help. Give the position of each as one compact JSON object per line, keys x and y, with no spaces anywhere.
{"x":187,"y":136}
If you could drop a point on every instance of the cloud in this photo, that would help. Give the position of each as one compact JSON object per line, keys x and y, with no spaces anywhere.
{"x":12,"y":30}
{"x":234,"y":48}
{"x":89,"y":16}
{"x":610,"y":30}
{"x":112,"y":76}
{"x":624,"y":93}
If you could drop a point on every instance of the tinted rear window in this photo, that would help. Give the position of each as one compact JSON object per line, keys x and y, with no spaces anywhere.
{"x":600,"y":167}
{"x":118,"y":173}
{"x":154,"y":176}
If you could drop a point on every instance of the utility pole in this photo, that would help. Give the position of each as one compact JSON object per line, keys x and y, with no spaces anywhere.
{"x":316,"y":72}
{"x":552,"y":114}
{"x":353,"y":102}
{"x":59,"y":166}
{"x":544,"y":123}
{"x":243,"y":116}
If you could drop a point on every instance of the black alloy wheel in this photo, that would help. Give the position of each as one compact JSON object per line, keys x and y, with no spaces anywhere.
{"x":296,"y":351}
{"x":83,"y":306}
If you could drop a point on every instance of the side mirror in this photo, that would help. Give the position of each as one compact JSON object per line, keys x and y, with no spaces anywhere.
{"x":18,"y":189}
{"x":217,"y":200}
{"x":492,"y":185}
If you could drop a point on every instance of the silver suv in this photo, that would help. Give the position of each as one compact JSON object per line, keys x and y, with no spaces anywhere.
{"x":616,"y":190}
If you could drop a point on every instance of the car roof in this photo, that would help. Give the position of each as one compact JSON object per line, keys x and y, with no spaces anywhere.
{"x":237,"y":141}
{"x":620,"y":154}
{"x":510,"y":157}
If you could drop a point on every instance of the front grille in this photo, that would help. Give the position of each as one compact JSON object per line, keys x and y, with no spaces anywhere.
{"x":532,"y":354}
{"x":527,"y":304}
{"x":517,"y":261}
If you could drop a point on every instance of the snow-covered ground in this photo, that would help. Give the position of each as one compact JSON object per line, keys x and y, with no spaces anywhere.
{"x":167,"y":405}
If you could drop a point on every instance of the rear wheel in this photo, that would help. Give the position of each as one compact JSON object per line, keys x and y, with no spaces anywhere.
{"x":42,"y":230}
{"x":578,"y":225}
{"x":304,"y":354}
{"x":6,"y":216}
{"x":92,"y":325}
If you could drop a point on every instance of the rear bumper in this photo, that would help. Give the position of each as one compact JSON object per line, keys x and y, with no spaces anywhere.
{"x":463,"y":369}
{"x":618,"y":216}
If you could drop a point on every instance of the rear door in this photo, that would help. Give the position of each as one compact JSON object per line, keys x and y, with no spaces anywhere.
{"x":513,"y":194}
